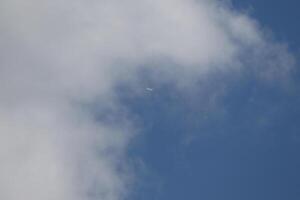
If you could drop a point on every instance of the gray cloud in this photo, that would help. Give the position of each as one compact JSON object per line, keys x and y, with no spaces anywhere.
{"x":57,"y":55}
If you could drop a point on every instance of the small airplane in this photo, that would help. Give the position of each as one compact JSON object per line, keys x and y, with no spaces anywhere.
{"x":149,"y":89}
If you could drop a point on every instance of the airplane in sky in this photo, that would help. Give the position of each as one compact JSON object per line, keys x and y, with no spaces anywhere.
{"x":149,"y":89}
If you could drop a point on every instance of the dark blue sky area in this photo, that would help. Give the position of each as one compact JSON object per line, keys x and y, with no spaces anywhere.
{"x":282,"y":17}
{"x":246,"y":147}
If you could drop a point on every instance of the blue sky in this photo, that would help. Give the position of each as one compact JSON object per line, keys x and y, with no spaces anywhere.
{"x":246,"y":149}
{"x":279,"y":16}
{"x":149,"y":100}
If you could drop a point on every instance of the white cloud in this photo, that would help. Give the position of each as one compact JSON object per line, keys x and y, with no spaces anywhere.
{"x":56,"y":55}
